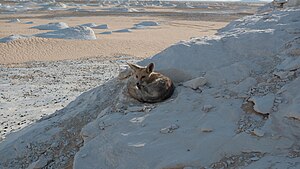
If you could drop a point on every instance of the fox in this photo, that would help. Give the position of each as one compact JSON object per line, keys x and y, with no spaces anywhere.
{"x":148,"y":86}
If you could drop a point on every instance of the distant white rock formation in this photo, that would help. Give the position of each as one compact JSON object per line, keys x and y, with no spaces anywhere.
{"x":103,"y":26}
{"x":91,"y":25}
{"x":121,"y":9}
{"x":123,"y":30}
{"x":54,"y":6}
{"x":13,"y":38}
{"x":52,"y":26}
{"x":29,"y":22}
{"x":15,"y":20}
{"x":78,"y":32}
{"x":106,"y":33}
{"x":147,"y":23}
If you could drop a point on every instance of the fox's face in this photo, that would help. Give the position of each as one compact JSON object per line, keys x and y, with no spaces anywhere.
{"x":141,"y":74}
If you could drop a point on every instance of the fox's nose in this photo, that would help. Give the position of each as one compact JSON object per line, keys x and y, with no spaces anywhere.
{"x":137,"y":83}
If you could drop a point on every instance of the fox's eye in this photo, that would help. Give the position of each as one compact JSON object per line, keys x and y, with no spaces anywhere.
{"x":143,"y":77}
{"x":137,"y":76}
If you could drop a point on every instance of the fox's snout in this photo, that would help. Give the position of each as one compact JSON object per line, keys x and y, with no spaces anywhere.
{"x":138,"y":85}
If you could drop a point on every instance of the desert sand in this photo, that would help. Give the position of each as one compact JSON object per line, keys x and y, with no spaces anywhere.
{"x":175,"y":24}
{"x":138,"y":43}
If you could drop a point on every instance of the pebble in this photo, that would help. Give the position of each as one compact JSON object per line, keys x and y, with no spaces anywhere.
{"x":28,"y":145}
{"x":254,"y":158}
{"x":169,"y":129}
{"x":206,"y":130}
{"x":229,"y":161}
{"x":258,"y":132}
{"x":207,"y":108}
{"x":277,"y":101}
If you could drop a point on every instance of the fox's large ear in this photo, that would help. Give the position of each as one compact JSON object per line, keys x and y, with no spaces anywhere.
{"x":150,"y":68}
{"x":133,"y":66}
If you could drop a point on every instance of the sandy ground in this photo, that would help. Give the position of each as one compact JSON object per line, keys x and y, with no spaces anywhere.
{"x":138,"y":43}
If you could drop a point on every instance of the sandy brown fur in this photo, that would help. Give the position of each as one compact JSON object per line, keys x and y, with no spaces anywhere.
{"x":148,"y":86}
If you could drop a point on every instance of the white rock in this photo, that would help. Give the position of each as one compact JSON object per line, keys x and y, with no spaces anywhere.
{"x":258,"y":132}
{"x":281,"y":74}
{"x":52,"y":26}
{"x":254,"y":158}
{"x":78,"y":32}
{"x":103,"y":26}
{"x":29,"y":22}
{"x":137,"y":145}
{"x":169,"y":129}
{"x":290,"y":63}
{"x":147,"y":23}
{"x":122,"y":30}
{"x":13,"y":38}
{"x":263,"y":104}
{"x":195,"y":83}
{"x":91,"y":25}
{"x":244,"y":85}
{"x":138,"y":119}
{"x":106,"y":33}
{"x":14,"y":21}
